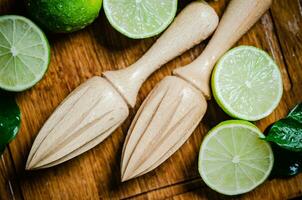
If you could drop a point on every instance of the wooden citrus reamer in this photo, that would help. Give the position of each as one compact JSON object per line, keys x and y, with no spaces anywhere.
{"x":99,"y":106}
{"x":171,"y":112}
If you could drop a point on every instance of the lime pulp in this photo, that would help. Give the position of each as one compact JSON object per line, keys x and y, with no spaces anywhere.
{"x":233,"y":159}
{"x":247,"y":84}
{"x":24,"y":53}
{"x":140,"y":18}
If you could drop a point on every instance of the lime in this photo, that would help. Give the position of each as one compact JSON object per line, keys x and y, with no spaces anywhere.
{"x":24,"y":53}
{"x":233,"y":159}
{"x":62,"y":16}
{"x":10,"y":119}
{"x":140,"y":18}
{"x":247,"y":84}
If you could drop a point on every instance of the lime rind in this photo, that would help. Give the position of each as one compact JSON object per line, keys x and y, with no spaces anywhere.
{"x":37,"y":73}
{"x":63,"y":16}
{"x":225,"y":105}
{"x":122,"y":27}
{"x":212,"y":133}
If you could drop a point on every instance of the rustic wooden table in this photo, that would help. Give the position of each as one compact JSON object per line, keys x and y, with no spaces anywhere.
{"x":96,"y":174}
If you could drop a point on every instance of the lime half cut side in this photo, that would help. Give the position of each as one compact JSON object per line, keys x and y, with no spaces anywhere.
{"x":247,"y":84}
{"x":24,"y":53}
{"x":140,"y":18}
{"x":233,"y":159}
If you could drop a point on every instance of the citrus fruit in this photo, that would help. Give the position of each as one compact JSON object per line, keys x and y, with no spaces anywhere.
{"x":233,"y":159}
{"x":62,"y":16}
{"x":247,"y":84}
{"x":10,"y":119}
{"x":24,"y":53}
{"x":140,"y":18}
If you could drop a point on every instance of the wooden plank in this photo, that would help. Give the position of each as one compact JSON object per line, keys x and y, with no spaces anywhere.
{"x":95,"y":174}
{"x":288,"y":21}
{"x":5,"y":185}
{"x":274,"y":189}
{"x":9,"y":185}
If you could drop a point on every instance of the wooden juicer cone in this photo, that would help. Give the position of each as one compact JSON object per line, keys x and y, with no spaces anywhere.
{"x":100,"y":105}
{"x":174,"y":108}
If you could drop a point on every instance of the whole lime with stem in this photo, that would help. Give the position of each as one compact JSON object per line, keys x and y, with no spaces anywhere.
{"x":61,"y":16}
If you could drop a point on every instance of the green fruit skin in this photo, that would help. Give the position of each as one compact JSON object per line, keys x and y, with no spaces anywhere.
{"x":63,"y":16}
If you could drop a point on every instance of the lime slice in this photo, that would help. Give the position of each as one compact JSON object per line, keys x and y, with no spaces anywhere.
{"x":247,"y":83}
{"x":63,"y":16}
{"x":24,"y":53}
{"x":140,"y":18}
{"x":233,"y":159}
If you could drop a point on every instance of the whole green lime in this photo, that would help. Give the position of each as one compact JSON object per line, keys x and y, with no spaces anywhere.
{"x":61,"y":16}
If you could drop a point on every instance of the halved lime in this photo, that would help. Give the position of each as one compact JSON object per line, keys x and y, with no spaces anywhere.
{"x":247,"y":84}
{"x":24,"y":53}
{"x":140,"y":18}
{"x":233,"y":159}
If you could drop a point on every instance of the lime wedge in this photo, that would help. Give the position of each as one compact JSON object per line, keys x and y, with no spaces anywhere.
{"x":140,"y":18}
{"x":247,"y":83}
{"x":24,"y":53}
{"x":233,"y":159}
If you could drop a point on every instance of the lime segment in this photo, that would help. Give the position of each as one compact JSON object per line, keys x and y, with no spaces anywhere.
{"x":140,"y":18}
{"x":24,"y":53}
{"x":247,"y":84}
{"x":233,"y":159}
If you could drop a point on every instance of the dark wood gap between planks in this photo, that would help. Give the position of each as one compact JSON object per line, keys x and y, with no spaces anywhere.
{"x":12,"y":185}
{"x":16,"y":187}
{"x":282,"y":53}
{"x":195,"y":182}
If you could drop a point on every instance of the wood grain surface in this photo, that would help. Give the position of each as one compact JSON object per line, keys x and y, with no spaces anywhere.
{"x":96,"y":173}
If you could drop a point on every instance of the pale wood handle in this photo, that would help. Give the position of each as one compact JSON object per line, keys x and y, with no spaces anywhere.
{"x":194,"y":24}
{"x":238,"y":18}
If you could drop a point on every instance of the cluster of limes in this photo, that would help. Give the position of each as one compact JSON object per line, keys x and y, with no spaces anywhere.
{"x":247,"y":85}
{"x":24,"y":49}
